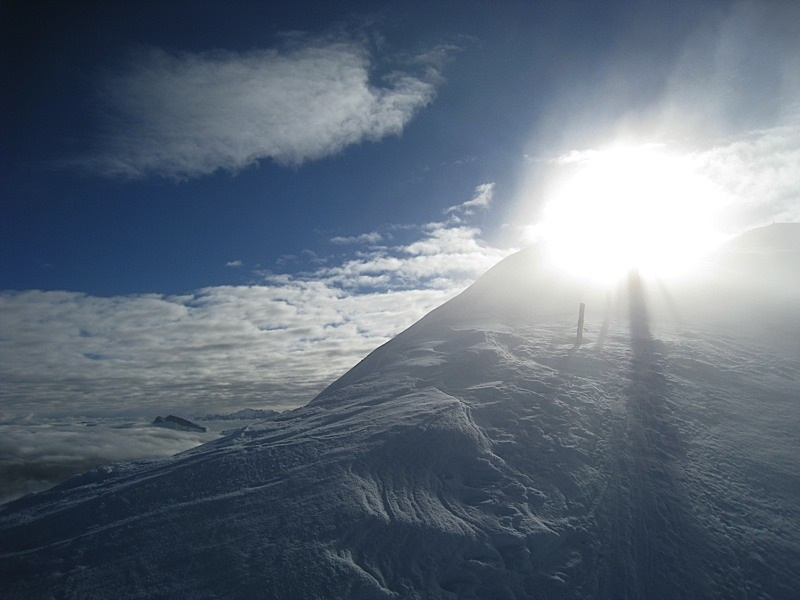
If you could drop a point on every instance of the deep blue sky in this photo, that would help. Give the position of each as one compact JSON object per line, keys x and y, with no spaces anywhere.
{"x":514,"y":69}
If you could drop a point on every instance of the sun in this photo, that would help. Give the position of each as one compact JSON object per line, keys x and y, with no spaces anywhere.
{"x":629,"y":208}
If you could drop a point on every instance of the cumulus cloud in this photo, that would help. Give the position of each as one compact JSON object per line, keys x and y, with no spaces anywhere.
{"x":447,"y":257}
{"x":274,"y":344}
{"x":183,"y":114}
{"x":235,"y":264}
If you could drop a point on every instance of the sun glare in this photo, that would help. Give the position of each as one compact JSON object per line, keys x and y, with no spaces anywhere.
{"x":628,"y":208}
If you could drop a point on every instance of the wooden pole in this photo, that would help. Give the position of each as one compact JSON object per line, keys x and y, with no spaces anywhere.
{"x":580,"y":322}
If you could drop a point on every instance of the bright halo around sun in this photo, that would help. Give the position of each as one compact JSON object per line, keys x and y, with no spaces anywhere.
{"x":627,"y":209}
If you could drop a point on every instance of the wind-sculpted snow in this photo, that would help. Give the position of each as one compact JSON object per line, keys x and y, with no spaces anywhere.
{"x":480,"y":454}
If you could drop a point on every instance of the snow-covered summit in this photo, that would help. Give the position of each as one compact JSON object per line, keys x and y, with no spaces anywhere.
{"x":480,"y":454}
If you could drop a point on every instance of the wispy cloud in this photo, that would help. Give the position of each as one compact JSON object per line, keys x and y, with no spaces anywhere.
{"x":182,"y":114}
{"x":234,"y":264}
{"x":480,"y":201}
{"x":365,"y":238}
{"x":760,"y":174}
{"x":573,"y":157}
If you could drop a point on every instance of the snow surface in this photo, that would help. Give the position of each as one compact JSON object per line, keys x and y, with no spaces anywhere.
{"x":480,"y":454}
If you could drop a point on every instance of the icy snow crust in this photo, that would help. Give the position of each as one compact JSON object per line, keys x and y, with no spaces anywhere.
{"x":480,"y":454}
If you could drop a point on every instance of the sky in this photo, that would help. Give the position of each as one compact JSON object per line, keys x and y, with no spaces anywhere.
{"x":207,"y":206}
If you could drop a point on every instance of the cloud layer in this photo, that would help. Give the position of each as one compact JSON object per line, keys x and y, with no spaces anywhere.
{"x":183,"y":115}
{"x":273,"y":344}
{"x":35,"y":456}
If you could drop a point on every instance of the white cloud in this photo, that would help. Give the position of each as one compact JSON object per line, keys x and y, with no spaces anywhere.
{"x":760,"y":174}
{"x":185,"y":114}
{"x":234,"y":264}
{"x":480,"y":201}
{"x":448,"y":257}
{"x":574,"y":157}
{"x":38,"y":455}
{"x":365,"y":238}
{"x":271,"y":345}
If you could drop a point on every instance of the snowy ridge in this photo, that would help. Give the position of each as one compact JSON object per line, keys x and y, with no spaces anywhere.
{"x":480,"y":454}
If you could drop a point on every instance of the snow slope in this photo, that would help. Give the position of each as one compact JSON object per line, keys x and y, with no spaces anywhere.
{"x":480,"y":454}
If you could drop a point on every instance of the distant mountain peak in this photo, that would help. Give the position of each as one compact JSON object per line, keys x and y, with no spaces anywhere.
{"x":173,"y":422}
